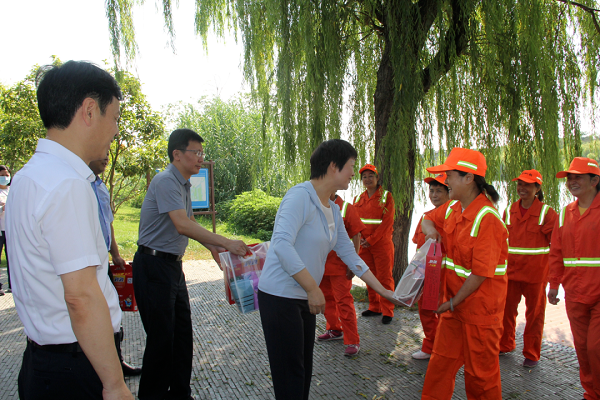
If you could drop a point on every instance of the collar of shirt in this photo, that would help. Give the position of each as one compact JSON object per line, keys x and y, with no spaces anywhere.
{"x":472,"y":209}
{"x":51,"y":147}
{"x":534,"y":210}
{"x":173,"y":169}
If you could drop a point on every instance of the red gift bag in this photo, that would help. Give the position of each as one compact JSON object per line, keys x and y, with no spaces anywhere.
{"x":123,"y":281}
{"x":433,"y":272}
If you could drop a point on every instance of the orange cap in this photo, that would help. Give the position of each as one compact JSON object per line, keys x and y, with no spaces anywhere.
{"x":441,"y":178}
{"x":368,"y":167}
{"x":580,"y":166}
{"x":530,"y":176}
{"x":465,"y":160}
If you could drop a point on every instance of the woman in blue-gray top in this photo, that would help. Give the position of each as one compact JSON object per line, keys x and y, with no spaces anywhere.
{"x":307,"y":227}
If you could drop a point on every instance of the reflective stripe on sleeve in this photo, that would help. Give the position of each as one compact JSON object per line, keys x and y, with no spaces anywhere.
{"x":528,"y":251}
{"x":581,"y":262}
{"x":371,"y":221}
{"x":543,"y":213}
{"x":482,"y":213}
{"x":344,"y":208}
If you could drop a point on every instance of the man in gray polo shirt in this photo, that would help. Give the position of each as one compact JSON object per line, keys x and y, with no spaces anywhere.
{"x":166,"y":223}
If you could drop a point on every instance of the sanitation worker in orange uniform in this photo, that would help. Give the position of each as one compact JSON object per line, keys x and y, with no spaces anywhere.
{"x":530,"y":223}
{"x":376,"y":209}
{"x":336,"y":284}
{"x":575,"y":262}
{"x":475,"y":282}
{"x":438,"y":195}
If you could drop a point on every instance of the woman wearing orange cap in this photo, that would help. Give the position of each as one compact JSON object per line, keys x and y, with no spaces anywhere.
{"x":438,"y":195}
{"x":376,"y":209}
{"x":574,"y":262}
{"x":475,"y":282}
{"x":530,"y":223}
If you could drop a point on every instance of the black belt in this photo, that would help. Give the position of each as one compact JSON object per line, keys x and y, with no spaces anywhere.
{"x":63,"y":348}
{"x":160,"y":254}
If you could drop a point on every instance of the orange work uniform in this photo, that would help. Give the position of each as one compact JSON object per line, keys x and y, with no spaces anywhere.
{"x":339,"y":303}
{"x":475,"y":242}
{"x":429,"y":319}
{"x":527,"y":269}
{"x":377,"y":213}
{"x":574,"y":262}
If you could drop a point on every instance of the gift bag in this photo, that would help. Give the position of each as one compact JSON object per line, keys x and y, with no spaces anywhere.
{"x":433,"y":273}
{"x":241,"y":276}
{"x":410,"y":286}
{"x":123,"y":280}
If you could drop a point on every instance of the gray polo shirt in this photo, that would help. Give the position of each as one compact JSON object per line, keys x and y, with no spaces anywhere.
{"x":168,"y":191}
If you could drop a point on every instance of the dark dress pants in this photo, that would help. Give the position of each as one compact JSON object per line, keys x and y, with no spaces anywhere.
{"x":289,"y":330}
{"x":164,"y":306}
{"x":4,"y":245}
{"x":46,"y":375}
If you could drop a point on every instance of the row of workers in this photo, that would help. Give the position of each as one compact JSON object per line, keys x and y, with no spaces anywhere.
{"x":485,"y":275}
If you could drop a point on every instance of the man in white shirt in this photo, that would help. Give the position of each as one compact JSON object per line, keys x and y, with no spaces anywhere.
{"x":68,"y":306}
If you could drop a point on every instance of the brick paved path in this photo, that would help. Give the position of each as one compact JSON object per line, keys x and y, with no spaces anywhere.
{"x":230,"y":360}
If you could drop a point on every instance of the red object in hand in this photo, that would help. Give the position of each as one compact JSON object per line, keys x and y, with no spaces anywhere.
{"x":433,"y":273}
{"x":123,"y":282}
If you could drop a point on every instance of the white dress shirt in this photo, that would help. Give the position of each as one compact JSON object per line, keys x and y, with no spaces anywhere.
{"x":54,"y":229}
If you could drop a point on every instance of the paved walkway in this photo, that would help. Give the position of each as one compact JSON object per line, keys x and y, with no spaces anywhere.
{"x":230,"y":359}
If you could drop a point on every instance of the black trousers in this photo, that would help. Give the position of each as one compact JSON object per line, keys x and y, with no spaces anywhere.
{"x":3,"y":245}
{"x":46,"y":375}
{"x":164,"y":306}
{"x":289,"y":330}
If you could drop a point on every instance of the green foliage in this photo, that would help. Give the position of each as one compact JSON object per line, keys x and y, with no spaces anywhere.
{"x":223,"y":209}
{"x":253,"y":213}
{"x":506,"y":77}
{"x":245,"y":157}
{"x":20,"y":123}
{"x":360,"y":294}
{"x":139,"y":149}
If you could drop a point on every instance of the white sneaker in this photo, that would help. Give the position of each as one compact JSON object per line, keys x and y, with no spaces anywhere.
{"x":421,"y":355}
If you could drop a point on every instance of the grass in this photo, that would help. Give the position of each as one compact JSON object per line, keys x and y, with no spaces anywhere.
{"x":126,"y":226}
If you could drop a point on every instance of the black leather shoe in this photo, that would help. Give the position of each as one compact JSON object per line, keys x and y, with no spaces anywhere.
{"x":386,"y":319}
{"x":129,"y":370}
{"x":369,"y":313}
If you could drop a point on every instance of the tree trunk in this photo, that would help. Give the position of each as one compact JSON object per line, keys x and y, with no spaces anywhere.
{"x":384,"y":104}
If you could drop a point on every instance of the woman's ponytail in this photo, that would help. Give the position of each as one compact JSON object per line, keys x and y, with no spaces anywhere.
{"x":540,"y":192}
{"x":483,"y":186}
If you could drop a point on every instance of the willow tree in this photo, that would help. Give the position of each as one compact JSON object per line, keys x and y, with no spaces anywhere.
{"x":504,"y":76}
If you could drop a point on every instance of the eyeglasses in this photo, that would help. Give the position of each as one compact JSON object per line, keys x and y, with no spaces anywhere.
{"x":198,"y":153}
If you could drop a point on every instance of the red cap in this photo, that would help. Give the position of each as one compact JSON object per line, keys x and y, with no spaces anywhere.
{"x":580,"y":166}
{"x":530,"y":176}
{"x":368,"y":167}
{"x":441,"y":178}
{"x":465,"y":160}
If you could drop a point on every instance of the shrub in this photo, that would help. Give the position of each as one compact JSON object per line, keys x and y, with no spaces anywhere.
{"x":253,"y":213}
{"x":223,"y":210}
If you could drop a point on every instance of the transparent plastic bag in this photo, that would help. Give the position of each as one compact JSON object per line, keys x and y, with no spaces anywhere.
{"x":410,"y":287}
{"x":241,"y":275}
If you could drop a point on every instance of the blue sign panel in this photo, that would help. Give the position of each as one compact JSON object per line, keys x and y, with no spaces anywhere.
{"x":199,"y":189}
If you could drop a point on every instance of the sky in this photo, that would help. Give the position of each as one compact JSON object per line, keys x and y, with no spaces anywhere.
{"x":78,"y":30}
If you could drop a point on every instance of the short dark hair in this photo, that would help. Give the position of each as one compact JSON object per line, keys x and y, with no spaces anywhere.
{"x":337,"y":151}
{"x":180,"y":139}
{"x":598,"y":184}
{"x":62,"y":89}
{"x":4,"y":168}
{"x":435,"y":183}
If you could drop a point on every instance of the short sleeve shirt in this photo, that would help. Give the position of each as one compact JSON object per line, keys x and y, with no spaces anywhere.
{"x":54,"y":229}
{"x":168,"y":191}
